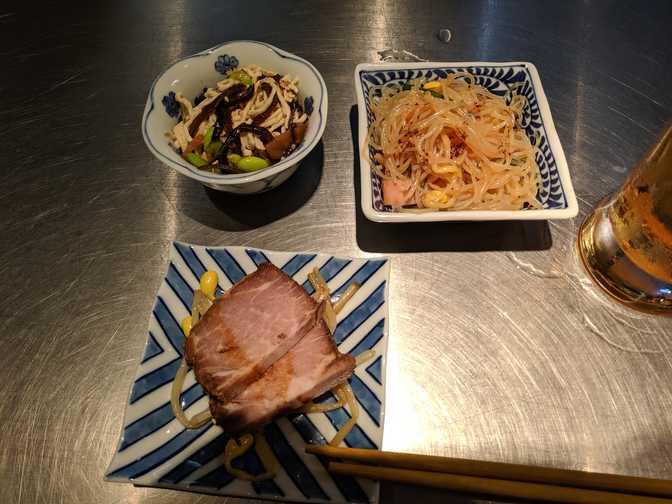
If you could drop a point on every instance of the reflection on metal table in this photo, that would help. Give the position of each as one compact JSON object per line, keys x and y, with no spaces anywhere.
{"x":500,"y":347}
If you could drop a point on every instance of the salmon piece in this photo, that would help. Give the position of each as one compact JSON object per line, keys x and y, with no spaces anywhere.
{"x":248,"y":329}
{"x":397,"y":193}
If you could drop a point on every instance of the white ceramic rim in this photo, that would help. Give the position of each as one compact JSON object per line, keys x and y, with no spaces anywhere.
{"x":236,"y":179}
{"x":464,"y":215}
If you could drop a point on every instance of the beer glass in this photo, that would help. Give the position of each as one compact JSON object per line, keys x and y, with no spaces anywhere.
{"x":626,"y":243}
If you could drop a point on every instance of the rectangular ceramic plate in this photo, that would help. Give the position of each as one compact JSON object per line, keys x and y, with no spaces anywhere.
{"x":155,"y":449}
{"x":556,"y":192}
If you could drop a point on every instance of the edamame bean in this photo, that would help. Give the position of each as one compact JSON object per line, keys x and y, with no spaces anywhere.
{"x":233,"y":158}
{"x":251,"y":163}
{"x":196,"y":160}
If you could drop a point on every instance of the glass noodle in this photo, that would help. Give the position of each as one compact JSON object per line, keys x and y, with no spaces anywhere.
{"x":452,"y":145}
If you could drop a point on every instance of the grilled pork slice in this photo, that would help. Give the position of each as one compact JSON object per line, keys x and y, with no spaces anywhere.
{"x":309,"y":369}
{"x":247,"y":329}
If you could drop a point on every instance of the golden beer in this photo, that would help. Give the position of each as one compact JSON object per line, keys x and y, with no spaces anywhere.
{"x":626,"y":243}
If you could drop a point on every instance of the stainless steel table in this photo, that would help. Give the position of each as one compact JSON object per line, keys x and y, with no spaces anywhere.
{"x":499,"y":347}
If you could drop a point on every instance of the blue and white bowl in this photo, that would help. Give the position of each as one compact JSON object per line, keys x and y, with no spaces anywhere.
{"x":190,"y":75}
{"x":556,"y":192}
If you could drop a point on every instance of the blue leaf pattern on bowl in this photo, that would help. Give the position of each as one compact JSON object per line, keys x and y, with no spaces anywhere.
{"x":171,"y":105}
{"x":225,"y":63}
{"x":308,"y":105}
{"x":505,"y":81}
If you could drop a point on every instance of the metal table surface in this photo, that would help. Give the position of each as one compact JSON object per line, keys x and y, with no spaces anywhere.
{"x":500,"y":349}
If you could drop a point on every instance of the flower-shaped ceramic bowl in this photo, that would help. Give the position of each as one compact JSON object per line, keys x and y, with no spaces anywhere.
{"x":503,"y":79}
{"x":190,"y":75}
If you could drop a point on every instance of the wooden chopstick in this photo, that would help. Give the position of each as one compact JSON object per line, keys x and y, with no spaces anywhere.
{"x":493,"y":487}
{"x":501,"y":471}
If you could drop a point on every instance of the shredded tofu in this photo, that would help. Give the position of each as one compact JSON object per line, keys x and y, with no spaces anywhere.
{"x":261,"y":102}
{"x":300,"y":117}
{"x":225,"y":84}
{"x":275,"y":120}
{"x":289,"y":87}
{"x":203,"y":127}
{"x":248,"y":142}
{"x":182,"y":136}
{"x":238,"y":117}
{"x":284,"y":107}
{"x":278,"y":119}
{"x":185,"y":105}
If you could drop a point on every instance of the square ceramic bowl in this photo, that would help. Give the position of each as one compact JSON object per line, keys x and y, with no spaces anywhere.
{"x":556,"y":192}
{"x":190,"y":75}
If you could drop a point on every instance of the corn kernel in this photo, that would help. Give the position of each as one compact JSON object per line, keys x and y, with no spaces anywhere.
{"x":186,"y":326}
{"x":208,"y":284}
{"x":432,"y":85}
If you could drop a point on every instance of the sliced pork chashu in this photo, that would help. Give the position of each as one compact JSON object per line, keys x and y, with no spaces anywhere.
{"x":247,"y":330}
{"x":308,"y":370}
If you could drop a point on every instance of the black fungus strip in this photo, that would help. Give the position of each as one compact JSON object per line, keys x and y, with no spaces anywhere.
{"x":232,"y":97}
{"x":265,"y":135}
{"x":237,"y":93}
{"x":266,"y":113}
{"x":203,"y":115}
{"x":223,"y":122}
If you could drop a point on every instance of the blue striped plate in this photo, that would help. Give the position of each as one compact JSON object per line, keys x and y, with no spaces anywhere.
{"x":155,"y":449}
